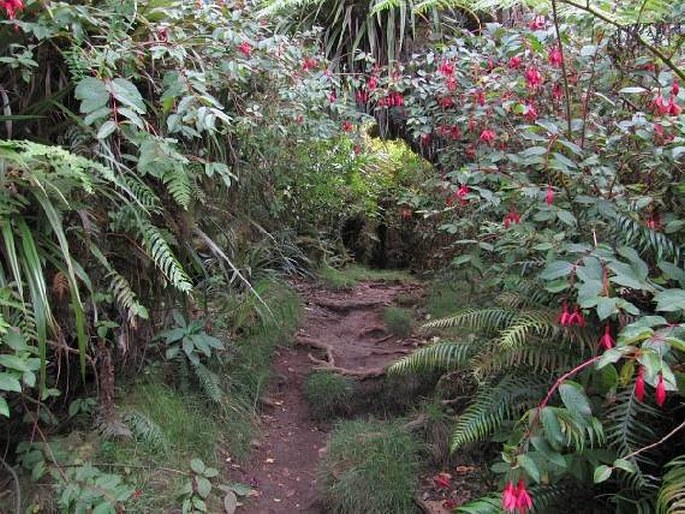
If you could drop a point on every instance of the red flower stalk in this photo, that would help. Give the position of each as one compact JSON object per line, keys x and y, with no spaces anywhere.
{"x":523,"y":500}
{"x":245,"y":48}
{"x":549,"y":197}
{"x":660,"y":391}
{"x":640,"y":384}
{"x":606,"y":340}
{"x":533,"y":77}
{"x":488,"y":136}
{"x":555,"y":57}
{"x":515,"y":62}
{"x":509,"y":497}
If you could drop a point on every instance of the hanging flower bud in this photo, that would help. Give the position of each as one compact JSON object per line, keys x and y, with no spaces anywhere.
{"x":533,"y":77}
{"x":577,"y":317}
{"x":640,"y":384}
{"x":660,"y":391}
{"x":538,"y":23}
{"x":446,"y":68}
{"x":675,"y":88}
{"x":245,"y":48}
{"x":555,"y":57}
{"x":372,"y":84}
{"x":557,"y":92}
{"x":509,"y":497}
{"x":563,"y":317}
{"x":488,"y":136}
{"x":523,"y":500}
{"x":347,"y":126}
{"x":531,"y":113}
{"x":607,"y":341}
{"x":549,"y":197}
{"x":515,"y":62}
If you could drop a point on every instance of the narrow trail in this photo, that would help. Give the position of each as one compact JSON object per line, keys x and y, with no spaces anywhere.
{"x":342,"y":330}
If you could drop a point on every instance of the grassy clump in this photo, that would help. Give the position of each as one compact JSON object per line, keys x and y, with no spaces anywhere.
{"x":398,"y":321}
{"x":335,"y":279}
{"x":370,"y":467}
{"x":346,"y":278}
{"x":445,"y":297}
{"x":329,"y":395}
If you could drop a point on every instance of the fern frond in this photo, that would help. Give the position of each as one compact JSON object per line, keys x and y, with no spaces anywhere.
{"x":538,"y":356}
{"x":178,"y":184}
{"x":145,"y":430}
{"x":629,"y":231}
{"x":494,"y":404}
{"x":209,"y":383}
{"x":481,"y":320}
{"x":439,"y":356}
{"x":671,"y":498}
{"x":164,"y":258}
{"x":543,"y":496}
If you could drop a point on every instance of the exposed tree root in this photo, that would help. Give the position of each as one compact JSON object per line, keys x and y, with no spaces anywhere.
{"x":328,"y":364}
{"x":347,"y":305}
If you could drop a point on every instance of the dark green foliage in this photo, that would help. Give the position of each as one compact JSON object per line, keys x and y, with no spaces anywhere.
{"x":398,"y":321}
{"x":370,"y":467}
{"x":329,"y":395}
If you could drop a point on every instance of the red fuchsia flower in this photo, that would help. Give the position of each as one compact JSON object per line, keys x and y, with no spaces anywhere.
{"x":640,"y":384}
{"x":362,"y":96}
{"x":451,"y":84}
{"x":446,"y":68}
{"x":406,"y":213}
{"x":555,"y":57}
{"x":673,"y":108}
{"x":488,"y":136}
{"x":523,"y":500}
{"x":479,"y":96}
{"x":538,"y":23}
{"x":577,"y":317}
{"x":470,"y":152}
{"x":509,"y":497}
{"x":425,"y":139}
{"x":462,"y":193}
{"x":372,"y":84}
{"x":245,"y":48}
{"x":309,"y":64}
{"x":515,"y":62}
{"x":660,"y":390}
{"x":512,"y":218}
{"x":606,"y":340}
{"x":533,"y":77}
{"x":564,"y":315}
{"x":659,"y":104}
{"x":12,"y":7}
{"x":446,"y":102}
{"x":531,"y":113}
{"x":347,"y":126}
{"x":549,"y":197}
{"x":332,"y":97}
{"x":675,"y":88}
{"x":357,"y":149}
{"x":455,"y":134}
{"x":557,"y":92}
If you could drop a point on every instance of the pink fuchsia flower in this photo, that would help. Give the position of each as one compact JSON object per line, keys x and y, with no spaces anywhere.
{"x":564,"y":315}
{"x":512,"y":218}
{"x":488,"y":136}
{"x":362,"y":96}
{"x":606,"y":340}
{"x":673,"y":108}
{"x":446,"y":68}
{"x":660,"y":390}
{"x":446,"y":102}
{"x":509,"y":497}
{"x":538,"y":23}
{"x":555,"y":57}
{"x":462,"y":193}
{"x":245,"y":48}
{"x":479,"y":97}
{"x":557,"y":92}
{"x":640,"y":384}
{"x":515,"y":62}
{"x":549,"y":196}
{"x":425,"y":139}
{"x":675,"y":88}
{"x":309,"y":64}
{"x":451,"y":84}
{"x":332,"y":97}
{"x":531,"y":113}
{"x":533,"y":77}
{"x":577,"y":317}
{"x":347,"y":126}
{"x":523,"y":500}
{"x":372,"y":84}
{"x":12,"y":7}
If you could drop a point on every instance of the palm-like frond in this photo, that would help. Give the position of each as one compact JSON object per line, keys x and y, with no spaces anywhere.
{"x":439,"y":356}
{"x":671,"y":498}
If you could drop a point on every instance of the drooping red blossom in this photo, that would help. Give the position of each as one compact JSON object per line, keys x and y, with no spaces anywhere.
{"x":640,"y":384}
{"x":479,"y":96}
{"x":564,"y":315}
{"x":488,"y":136}
{"x":462,"y":193}
{"x":673,"y":108}
{"x":446,"y":68}
{"x":533,"y":77}
{"x":531,"y":113}
{"x":451,"y":84}
{"x":347,"y":126}
{"x":523,"y":500}
{"x":660,"y":390}
{"x":538,"y":23}
{"x":549,"y":196}
{"x":446,"y":102}
{"x":512,"y":218}
{"x":557,"y":92}
{"x":332,"y":97}
{"x":372,"y":84}
{"x":455,"y":133}
{"x":12,"y":7}
{"x":425,"y":139}
{"x":555,"y":57}
{"x":515,"y":62}
{"x":509,"y":497}
{"x":245,"y":48}
{"x":362,"y":96}
{"x":309,"y":63}
{"x":606,"y":340}
{"x":675,"y":88}
{"x":577,"y":317}
{"x":406,"y":213}
{"x":470,"y":152}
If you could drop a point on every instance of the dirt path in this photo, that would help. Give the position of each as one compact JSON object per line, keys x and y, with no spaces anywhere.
{"x":349,"y":323}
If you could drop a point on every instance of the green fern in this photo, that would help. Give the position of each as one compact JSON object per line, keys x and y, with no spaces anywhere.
{"x":145,"y":430}
{"x":629,"y":231}
{"x":178,"y":184}
{"x":544,"y":496}
{"x":438,"y":356}
{"x":671,"y":498}
{"x":482,"y":320}
{"x":164,"y":258}
{"x":209,"y":383}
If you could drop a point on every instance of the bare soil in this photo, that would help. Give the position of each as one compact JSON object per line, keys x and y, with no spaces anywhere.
{"x":342,"y":331}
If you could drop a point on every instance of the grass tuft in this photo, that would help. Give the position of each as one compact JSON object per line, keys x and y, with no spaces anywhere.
{"x":398,"y":321}
{"x":370,"y":467}
{"x":329,"y":395}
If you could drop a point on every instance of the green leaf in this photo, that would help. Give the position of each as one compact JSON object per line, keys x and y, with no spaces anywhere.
{"x":625,"y":465}
{"x":556,"y":269}
{"x":4,"y":408}
{"x":15,"y":340}
{"x":106,"y":129}
{"x":566,"y":217}
{"x":197,"y":466}
{"x":529,"y":466}
{"x":127,"y":93}
{"x":602,"y":473}
{"x":104,"y":508}
{"x":606,"y":307}
{"x":671,"y":300}
{"x":204,"y":486}
{"x":13,"y":362}
{"x":574,"y":398}
{"x":92,"y":93}
{"x":9,"y":383}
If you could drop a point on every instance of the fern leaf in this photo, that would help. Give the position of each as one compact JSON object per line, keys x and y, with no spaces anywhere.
{"x":671,"y":498}
{"x":164,"y":258}
{"x":209,"y":383}
{"x":482,"y":320}
{"x":146,"y":430}
{"x":438,"y":356}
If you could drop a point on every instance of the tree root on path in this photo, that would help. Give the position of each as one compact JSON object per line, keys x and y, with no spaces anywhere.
{"x":328,"y":364}
{"x":346,"y":305}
